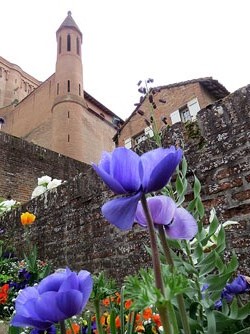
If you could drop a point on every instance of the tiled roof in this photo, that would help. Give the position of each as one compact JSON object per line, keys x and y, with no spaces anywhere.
{"x":90,"y":98}
{"x":69,"y":23}
{"x":212,"y":85}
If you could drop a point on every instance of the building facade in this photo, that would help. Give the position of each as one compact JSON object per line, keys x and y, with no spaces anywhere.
{"x":168,"y":104}
{"x":57,"y":114}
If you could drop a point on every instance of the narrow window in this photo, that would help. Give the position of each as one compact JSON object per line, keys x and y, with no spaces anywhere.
{"x":68,"y":114}
{"x":57,"y":89}
{"x":79,"y":90}
{"x":77,"y":46}
{"x":68,"y":86}
{"x":68,"y":42}
{"x":68,"y":138}
{"x":60,"y":45}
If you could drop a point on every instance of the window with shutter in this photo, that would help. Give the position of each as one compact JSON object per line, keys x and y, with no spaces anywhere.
{"x":193,"y":107}
{"x":149,"y":132}
{"x":128,"y":143}
{"x":175,"y":117}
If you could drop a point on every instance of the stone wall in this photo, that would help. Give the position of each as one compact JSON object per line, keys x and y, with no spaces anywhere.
{"x":22,"y":163}
{"x":70,"y":229}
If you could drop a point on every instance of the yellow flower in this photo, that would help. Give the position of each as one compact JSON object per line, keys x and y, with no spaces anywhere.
{"x":27,"y":218}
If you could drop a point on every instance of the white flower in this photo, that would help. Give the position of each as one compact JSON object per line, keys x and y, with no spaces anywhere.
{"x":53,"y":184}
{"x":44,"y":180}
{"x":8,"y":204}
{"x":38,"y":191}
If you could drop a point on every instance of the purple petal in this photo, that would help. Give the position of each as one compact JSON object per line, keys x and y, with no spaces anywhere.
{"x":113,"y":184}
{"x":25,"y":295}
{"x":121,"y":211}
{"x":27,"y":309}
{"x":70,"y":302}
{"x":164,"y":169}
{"x":239,"y":285}
{"x":125,"y":169}
{"x":70,"y":282}
{"x":47,"y":307}
{"x":184,"y":225}
{"x":85,"y":283}
{"x":21,"y":321}
{"x":51,"y":282}
{"x":105,"y":162}
{"x":162,"y":210}
{"x":158,"y":167}
{"x":140,"y":216}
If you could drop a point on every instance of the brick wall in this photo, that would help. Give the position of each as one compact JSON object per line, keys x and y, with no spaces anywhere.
{"x":22,"y":163}
{"x":70,"y":229}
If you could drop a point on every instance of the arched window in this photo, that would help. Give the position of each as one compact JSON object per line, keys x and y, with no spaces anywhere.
{"x":57,"y":88}
{"x":77,"y":46}
{"x":60,"y":45}
{"x":79,"y":90}
{"x":68,"y":86}
{"x":68,"y":43}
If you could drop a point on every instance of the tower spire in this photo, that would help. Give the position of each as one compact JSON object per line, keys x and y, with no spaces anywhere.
{"x":69,"y":104}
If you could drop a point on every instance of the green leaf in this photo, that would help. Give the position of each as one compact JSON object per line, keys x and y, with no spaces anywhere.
{"x":112,"y":322}
{"x":233,"y":264}
{"x":179,"y":185}
{"x":219,"y":263}
{"x":244,"y":311}
{"x":234,"y":309}
{"x":211,"y":323}
{"x":192,"y":205}
{"x":184,"y":166}
{"x":197,"y":187}
{"x":200,"y":207}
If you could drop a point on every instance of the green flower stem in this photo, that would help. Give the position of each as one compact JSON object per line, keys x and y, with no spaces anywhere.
{"x":180,"y":299}
{"x":98,"y":316}
{"x":62,"y":327}
{"x":122,"y":310}
{"x":163,"y":311}
{"x":192,"y":264}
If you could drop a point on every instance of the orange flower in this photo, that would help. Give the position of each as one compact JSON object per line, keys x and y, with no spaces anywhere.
{"x":106,"y":301}
{"x":117,"y":322}
{"x":75,"y":328}
{"x":147,"y":313}
{"x":27,"y":218}
{"x":138,"y":319}
{"x":140,"y":329}
{"x":156,"y":319}
{"x":104,"y":319}
{"x":4,"y":293}
{"x":128,"y":304}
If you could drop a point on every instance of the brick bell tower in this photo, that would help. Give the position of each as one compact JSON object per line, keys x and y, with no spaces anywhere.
{"x":69,"y":104}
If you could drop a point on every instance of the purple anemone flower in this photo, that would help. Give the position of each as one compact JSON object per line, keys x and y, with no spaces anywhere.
{"x":58,"y":296}
{"x":127,"y":173}
{"x":239,"y":285}
{"x":178,"y":222}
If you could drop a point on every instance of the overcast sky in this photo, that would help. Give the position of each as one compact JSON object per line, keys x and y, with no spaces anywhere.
{"x":128,"y":40}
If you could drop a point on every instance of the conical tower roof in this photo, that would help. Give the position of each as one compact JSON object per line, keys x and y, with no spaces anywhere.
{"x":69,"y":23}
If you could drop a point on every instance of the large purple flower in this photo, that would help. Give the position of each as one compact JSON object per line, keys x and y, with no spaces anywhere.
{"x":126,"y":173}
{"x":178,"y":222}
{"x":59,"y":296}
